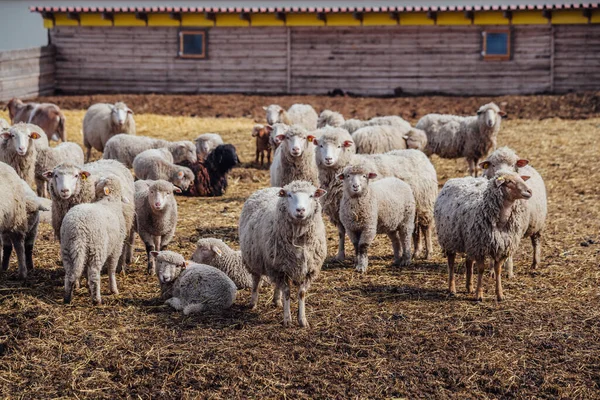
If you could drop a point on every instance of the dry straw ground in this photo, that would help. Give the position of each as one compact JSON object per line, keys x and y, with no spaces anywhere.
{"x":391,"y":333}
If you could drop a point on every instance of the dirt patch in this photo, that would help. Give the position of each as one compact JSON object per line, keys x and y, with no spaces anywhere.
{"x":569,"y":106}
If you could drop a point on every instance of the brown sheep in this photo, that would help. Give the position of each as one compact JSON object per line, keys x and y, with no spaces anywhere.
{"x":47,"y":116}
{"x":261,"y":133}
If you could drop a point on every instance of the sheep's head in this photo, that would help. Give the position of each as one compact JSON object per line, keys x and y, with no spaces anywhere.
{"x":183,"y":178}
{"x":416,"y":139}
{"x":331,"y":145}
{"x":21,"y":135}
{"x":296,"y":140}
{"x":273,"y":113}
{"x":490,"y":114}
{"x":4,"y":125}
{"x":330,"y":118}
{"x":261,"y":131}
{"x":159,"y":193}
{"x":206,"y":143}
{"x":119,"y":112}
{"x":300,"y":200}
{"x":208,"y":250}
{"x":356,"y":179}
{"x":110,"y":187}
{"x":502,"y":158}
{"x":184,"y":150}
{"x":169,"y":265}
{"x":512,"y":185}
{"x":65,"y":180}
{"x":13,"y":106}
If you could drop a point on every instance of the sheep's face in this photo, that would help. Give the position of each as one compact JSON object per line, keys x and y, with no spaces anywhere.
{"x":166,"y":271}
{"x":490,"y":115}
{"x":206,"y":252}
{"x":119,"y":113}
{"x":21,"y":138}
{"x":273,"y":113}
{"x":301,"y":203}
{"x":356,"y":182}
{"x":65,"y":180}
{"x":513,"y":186}
{"x":160,"y":193}
{"x":296,"y":142}
{"x":416,"y":140}
{"x":328,"y":152}
{"x":183,"y":178}
{"x":184,"y":151}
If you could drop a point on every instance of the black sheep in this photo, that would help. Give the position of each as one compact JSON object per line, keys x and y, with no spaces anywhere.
{"x":210,"y":175}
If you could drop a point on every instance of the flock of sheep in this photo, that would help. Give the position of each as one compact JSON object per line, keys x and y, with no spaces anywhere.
{"x":369,"y":177}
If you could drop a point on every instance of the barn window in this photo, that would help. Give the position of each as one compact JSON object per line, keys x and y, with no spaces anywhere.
{"x":192,"y":44}
{"x":496,"y":45}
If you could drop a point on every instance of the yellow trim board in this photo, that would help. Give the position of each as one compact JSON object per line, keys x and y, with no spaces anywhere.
{"x":452,"y":18}
{"x":61,"y":19}
{"x":93,"y":19}
{"x":128,"y":19}
{"x":195,"y":20}
{"x":162,"y":19}
{"x":230,"y":20}
{"x":490,"y":18}
{"x":568,"y":17}
{"x":265,"y":20}
{"x":342,"y":19}
{"x":378,"y":19}
{"x":415,"y":18}
{"x":303,"y":19}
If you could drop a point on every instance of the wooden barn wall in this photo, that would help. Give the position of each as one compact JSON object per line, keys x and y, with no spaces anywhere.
{"x":26,"y":73}
{"x":364,"y":60}
{"x":577,"y":58}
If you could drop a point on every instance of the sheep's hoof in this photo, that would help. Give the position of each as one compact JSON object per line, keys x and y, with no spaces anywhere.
{"x":340,"y":257}
{"x":361,"y":269}
{"x":97,"y":302}
{"x":500,"y":298}
{"x":304,"y":324}
{"x":452,"y":293}
{"x":277,"y":303}
{"x":479,"y":298}
{"x":286,"y":323}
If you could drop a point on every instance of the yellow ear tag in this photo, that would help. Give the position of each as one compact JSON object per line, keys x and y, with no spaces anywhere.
{"x":83,"y":177}
{"x":310,"y":138}
{"x":106,"y":191}
{"x":500,"y":179}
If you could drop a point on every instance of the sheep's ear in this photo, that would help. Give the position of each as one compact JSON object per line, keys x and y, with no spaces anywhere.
{"x":280,"y":138}
{"x":269,"y":128}
{"x":84,"y":175}
{"x":405,"y":137}
{"x":521,"y":163}
{"x":282,"y":193}
{"x":525,"y":177}
{"x":48,"y":174}
{"x":35,"y":135}
{"x":217,"y":251}
{"x":340,"y":177}
{"x":485,"y":164}
{"x":499,"y":181}
{"x":315,"y":142}
{"x":310,"y":138}
{"x":372,"y":175}
{"x":154,"y":253}
{"x":180,"y":174}
{"x":320,"y":192}
{"x":185,"y":264}
{"x":502,"y":113}
{"x":129,"y":111}
{"x":265,"y":108}
{"x":348,"y":143}
{"x":5,"y":135}
{"x":280,"y":110}
{"x":255,"y":132}
{"x":106,"y":190}
{"x":176,"y":190}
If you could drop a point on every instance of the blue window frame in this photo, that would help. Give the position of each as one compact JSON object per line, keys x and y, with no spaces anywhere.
{"x":496,"y":44}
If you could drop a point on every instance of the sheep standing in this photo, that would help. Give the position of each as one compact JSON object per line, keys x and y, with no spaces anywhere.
{"x":298,"y":114}
{"x":330,"y":118}
{"x":17,"y":149}
{"x":537,"y":206}
{"x":263,"y":145}
{"x":206,"y":143}
{"x":210,"y":175}
{"x":92,"y":237}
{"x":276,"y":130}
{"x":158,"y":164}
{"x":416,"y":139}
{"x":47,"y":116}
{"x":379,"y":139}
{"x":451,"y":136}
{"x":282,"y":236}
{"x":125,"y":148}
{"x":352,"y":125}
{"x":216,"y":253}
{"x":369,"y":208}
{"x":156,"y":215}
{"x":191,"y":287}
{"x":335,"y":150}
{"x":294,"y":159}
{"x":19,"y":217}
{"x":103,"y":121}
{"x":50,"y":157}
{"x":481,"y":219}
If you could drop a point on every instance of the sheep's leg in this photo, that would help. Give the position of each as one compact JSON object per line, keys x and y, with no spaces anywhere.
{"x":287,"y":314}
{"x":480,"y":270}
{"x":469,"y":269}
{"x":269,"y":156}
{"x":341,"y":255}
{"x":174,"y":302}
{"x":150,"y":248}
{"x":70,"y":282}
{"x":395,"y":238}
{"x":362,"y":258}
{"x":166,"y":239}
{"x":302,"y":306}
{"x":257,"y":156}
{"x":509,"y":267}
{"x":6,"y":251}
{"x":94,"y":282}
{"x":88,"y":154}
{"x":40,"y":186}
{"x":536,"y":240}
{"x":255,"y":287}
{"x":404,"y":237}
{"x":130,"y":244}
{"x":18,"y":242}
{"x":427,"y":232}
{"x":451,"y":281}
{"x":111,"y":265}
{"x":472,"y":167}
{"x":277,"y":298}
{"x":417,"y":240}
{"x":498,"y":271}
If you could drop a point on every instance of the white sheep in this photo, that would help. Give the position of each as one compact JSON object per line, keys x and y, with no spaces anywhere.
{"x":50,"y":157}
{"x":19,"y":218}
{"x":335,"y":150}
{"x":386,"y":206}
{"x":191,"y":287}
{"x":216,"y":253}
{"x":4,"y":125}
{"x":298,"y":114}
{"x":330,"y":118}
{"x":18,"y":150}
{"x":92,"y":237}
{"x":379,"y":139}
{"x":125,"y":148}
{"x":206,"y":143}
{"x":295,"y":158}
{"x":282,"y":236}
{"x":103,"y":121}
{"x":156,"y":215}
{"x":537,"y":206}
{"x":275,"y":131}
{"x":451,"y":136}
{"x":416,"y":139}
{"x":352,"y":125}
{"x":158,"y":164}
{"x":481,"y":218}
